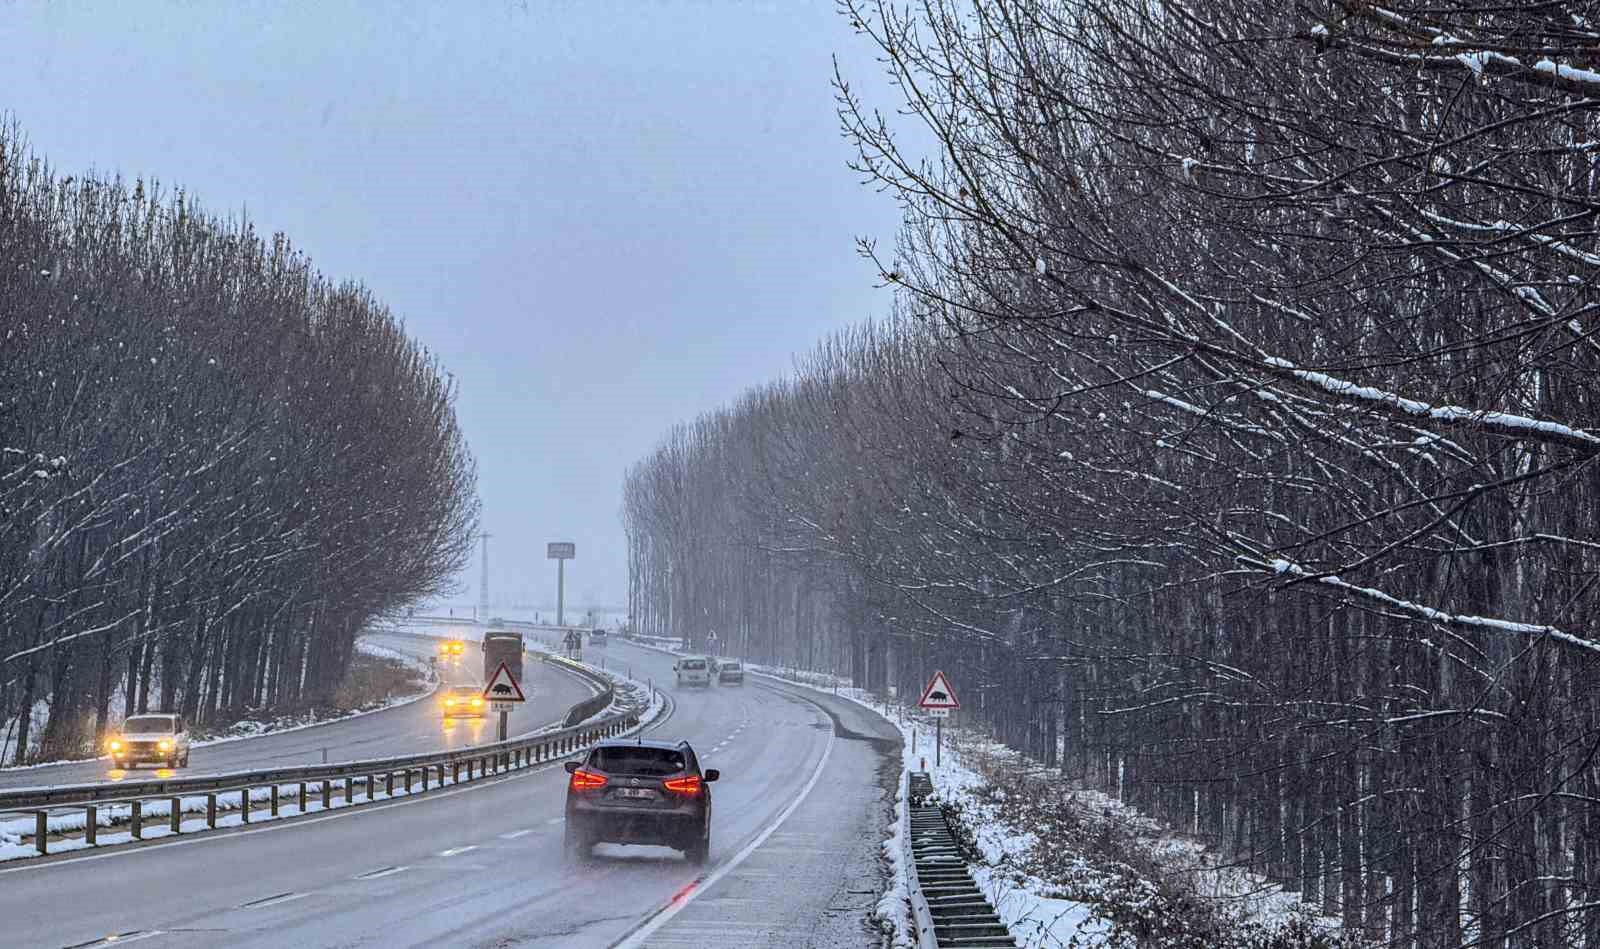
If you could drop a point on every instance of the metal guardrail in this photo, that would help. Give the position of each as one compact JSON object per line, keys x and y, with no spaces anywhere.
{"x":947,"y":907}
{"x":429,"y":769}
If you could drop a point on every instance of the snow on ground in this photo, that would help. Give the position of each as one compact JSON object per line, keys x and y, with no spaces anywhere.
{"x":1050,"y":891}
{"x":250,"y":728}
{"x":9,"y":729}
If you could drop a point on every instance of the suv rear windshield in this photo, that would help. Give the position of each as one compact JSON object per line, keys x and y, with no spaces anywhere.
{"x":640,"y":760}
{"x":730,"y":664}
{"x":695,"y":664}
{"x":147,"y":725}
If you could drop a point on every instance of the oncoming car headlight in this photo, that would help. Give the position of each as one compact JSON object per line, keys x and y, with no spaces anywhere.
{"x":116,"y":745}
{"x":477,"y":702}
{"x":165,"y":744}
{"x":449,"y":702}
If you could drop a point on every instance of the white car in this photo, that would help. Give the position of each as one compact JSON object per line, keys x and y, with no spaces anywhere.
{"x":160,"y":738}
{"x":693,"y":670}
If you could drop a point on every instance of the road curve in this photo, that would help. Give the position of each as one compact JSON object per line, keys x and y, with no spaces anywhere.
{"x":407,"y":729}
{"x":475,"y":866}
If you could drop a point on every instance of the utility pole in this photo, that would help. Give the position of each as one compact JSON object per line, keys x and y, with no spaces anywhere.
{"x":483,"y":582}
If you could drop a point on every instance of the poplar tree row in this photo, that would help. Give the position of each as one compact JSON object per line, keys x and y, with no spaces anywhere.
{"x":216,"y":465}
{"x":1232,"y":442}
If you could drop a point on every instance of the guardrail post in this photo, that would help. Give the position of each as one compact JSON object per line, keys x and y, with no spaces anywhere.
{"x":388,"y":784}
{"x":41,"y":832}
{"x":349,"y":789}
{"x":425,"y":770}
{"x":91,"y":823}
{"x":273,"y":803}
{"x":244,"y":805}
{"x":136,"y":820}
{"x":303,"y":797}
{"x":175,"y":814}
{"x":327,"y":794}
{"x":211,"y":811}
{"x":369,"y":787}
{"x":441,"y":775}
{"x":408,"y":780}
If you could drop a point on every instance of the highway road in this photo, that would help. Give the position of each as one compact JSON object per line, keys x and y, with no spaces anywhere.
{"x":406,"y":729}
{"x":482,"y":865}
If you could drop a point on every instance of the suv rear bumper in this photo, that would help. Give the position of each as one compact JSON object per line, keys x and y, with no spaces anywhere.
{"x":627,"y":826}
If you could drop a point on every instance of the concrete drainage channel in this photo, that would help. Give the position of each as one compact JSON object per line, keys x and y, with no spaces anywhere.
{"x":948,"y":908}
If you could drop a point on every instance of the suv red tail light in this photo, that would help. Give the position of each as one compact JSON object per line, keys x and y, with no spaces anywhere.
{"x":688,"y":787}
{"x":587,"y":780}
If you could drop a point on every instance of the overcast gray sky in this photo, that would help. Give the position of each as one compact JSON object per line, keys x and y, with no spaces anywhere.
{"x":603,"y":217}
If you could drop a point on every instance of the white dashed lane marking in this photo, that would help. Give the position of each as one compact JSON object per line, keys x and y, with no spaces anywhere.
{"x":517,"y":833}
{"x":455,"y":850}
{"x":378,"y":874}
{"x":273,"y":900}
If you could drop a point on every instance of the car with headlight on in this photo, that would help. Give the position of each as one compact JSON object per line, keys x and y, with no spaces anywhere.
{"x":637,"y":791}
{"x":463,"y":701}
{"x":161,"y":738}
{"x":452,"y":648}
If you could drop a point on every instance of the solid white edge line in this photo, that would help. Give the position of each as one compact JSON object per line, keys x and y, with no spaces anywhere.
{"x":699,"y":886}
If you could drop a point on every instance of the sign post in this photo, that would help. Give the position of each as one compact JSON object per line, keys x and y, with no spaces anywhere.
{"x":938,"y":699}
{"x":560,"y":552}
{"x":503,"y":693}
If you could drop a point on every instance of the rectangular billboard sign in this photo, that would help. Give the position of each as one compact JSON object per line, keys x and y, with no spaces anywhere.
{"x":561,"y":550}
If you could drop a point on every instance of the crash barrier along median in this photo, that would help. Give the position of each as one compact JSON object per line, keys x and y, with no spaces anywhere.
{"x":346,"y":780}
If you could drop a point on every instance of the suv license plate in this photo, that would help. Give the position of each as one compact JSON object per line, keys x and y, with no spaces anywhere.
{"x":643,"y":794}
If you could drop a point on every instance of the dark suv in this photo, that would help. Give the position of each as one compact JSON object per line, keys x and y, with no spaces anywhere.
{"x":639,"y":792}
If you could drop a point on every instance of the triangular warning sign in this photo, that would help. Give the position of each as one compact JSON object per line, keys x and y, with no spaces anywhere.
{"x":503,"y":687}
{"x":939,"y":693}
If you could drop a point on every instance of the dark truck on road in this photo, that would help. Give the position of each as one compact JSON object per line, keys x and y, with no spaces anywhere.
{"x":500,"y":646}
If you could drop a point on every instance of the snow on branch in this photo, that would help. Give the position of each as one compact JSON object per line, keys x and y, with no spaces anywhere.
{"x":1420,"y":611}
{"x":1504,"y":424}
